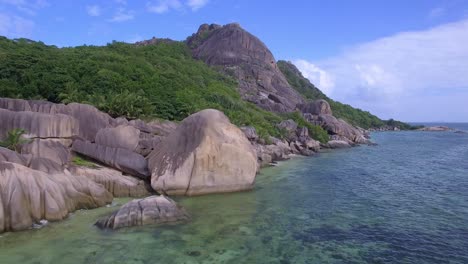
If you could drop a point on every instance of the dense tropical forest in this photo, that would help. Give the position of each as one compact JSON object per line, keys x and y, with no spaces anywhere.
{"x":154,"y":81}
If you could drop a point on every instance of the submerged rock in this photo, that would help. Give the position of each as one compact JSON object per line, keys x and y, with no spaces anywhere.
{"x":206,"y":154}
{"x":150,"y":210}
{"x":28,"y":196}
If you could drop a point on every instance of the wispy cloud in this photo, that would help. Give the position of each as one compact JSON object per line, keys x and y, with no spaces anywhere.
{"x":388,"y":74}
{"x":93,"y":10}
{"x":14,"y":26}
{"x":437,"y":12}
{"x":123,"y":15}
{"x":29,"y":7}
{"x":196,"y":4}
{"x":163,"y":6}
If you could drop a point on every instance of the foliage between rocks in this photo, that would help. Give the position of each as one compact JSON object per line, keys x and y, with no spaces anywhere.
{"x":15,"y":139}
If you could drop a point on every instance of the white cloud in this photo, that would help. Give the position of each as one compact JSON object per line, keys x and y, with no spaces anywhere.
{"x":29,"y":7}
{"x":437,"y":12}
{"x":123,"y":15}
{"x":317,"y":76}
{"x":196,"y":4}
{"x":93,"y":10}
{"x":163,"y":6}
{"x":392,"y":72}
{"x":13,"y":26}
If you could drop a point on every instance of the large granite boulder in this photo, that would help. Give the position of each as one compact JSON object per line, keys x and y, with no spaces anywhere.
{"x":27,"y":196}
{"x":114,"y":181}
{"x":340,"y":127}
{"x":206,"y":154}
{"x":317,"y":107}
{"x":122,"y":136}
{"x":90,"y":119}
{"x":146,"y":211}
{"x":38,"y":125}
{"x":49,"y":149}
{"x":34,"y":162}
{"x":246,"y":58}
{"x":250,"y":133}
{"x":155,"y":127}
{"x":119,"y":158}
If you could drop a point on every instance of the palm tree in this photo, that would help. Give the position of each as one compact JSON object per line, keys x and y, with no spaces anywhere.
{"x":15,"y":139}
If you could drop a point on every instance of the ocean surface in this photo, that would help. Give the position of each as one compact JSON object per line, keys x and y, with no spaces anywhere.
{"x":402,"y":201}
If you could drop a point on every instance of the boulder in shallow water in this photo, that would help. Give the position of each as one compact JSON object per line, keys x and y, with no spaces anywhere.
{"x":337,"y":144}
{"x":206,"y":154}
{"x":146,"y":211}
{"x":118,"y":158}
{"x":27,"y":196}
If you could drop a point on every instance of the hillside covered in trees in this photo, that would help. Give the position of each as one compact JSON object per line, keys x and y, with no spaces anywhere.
{"x":153,"y":81}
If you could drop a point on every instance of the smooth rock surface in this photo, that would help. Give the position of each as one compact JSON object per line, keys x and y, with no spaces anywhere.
{"x":28,"y":196}
{"x":119,"y":158}
{"x":146,"y":211}
{"x":114,"y":181}
{"x":317,"y":107}
{"x":206,"y":154}
{"x":49,"y":149}
{"x":122,"y":136}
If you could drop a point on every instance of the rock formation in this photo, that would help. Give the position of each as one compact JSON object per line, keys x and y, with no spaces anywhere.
{"x":247,"y":59}
{"x":150,"y":210}
{"x":206,"y":154}
{"x":119,"y":158}
{"x":114,"y":181}
{"x":122,"y":136}
{"x":28,"y":196}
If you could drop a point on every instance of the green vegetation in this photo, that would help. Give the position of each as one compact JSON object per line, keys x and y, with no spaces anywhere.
{"x":84,"y":162}
{"x":15,"y":140}
{"x":315,"y":132}
{"x":352,"y":115}
{"x":153,"y":81}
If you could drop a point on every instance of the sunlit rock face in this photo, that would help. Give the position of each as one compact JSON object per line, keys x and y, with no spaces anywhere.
{"x":206,"y":154}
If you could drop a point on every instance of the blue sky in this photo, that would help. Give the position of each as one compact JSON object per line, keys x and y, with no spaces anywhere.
{"x":402,"y":59}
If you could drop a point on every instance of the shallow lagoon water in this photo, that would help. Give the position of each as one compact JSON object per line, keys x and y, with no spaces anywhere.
{"x":403,"y":201}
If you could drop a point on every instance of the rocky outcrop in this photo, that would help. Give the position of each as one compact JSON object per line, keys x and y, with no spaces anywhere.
{"x":122,"y":136}
{"x":319,"y":113}
{"x":27,"y":196}
{"x":150,"y":210}
{"x":38,"y":125}
{"x":119,"y":158}
{"x":337,"y":144}
{"x":206,"y":154}
{"x":435,"y":128}
{"x":246,"y":58}
{"x":53,"y":150}
{"x":114,"y":181}
{"x":317,"y":107}
{"x":90,"y":119}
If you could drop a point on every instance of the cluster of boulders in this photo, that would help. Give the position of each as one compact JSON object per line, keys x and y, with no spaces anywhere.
{"x":204,"y":154}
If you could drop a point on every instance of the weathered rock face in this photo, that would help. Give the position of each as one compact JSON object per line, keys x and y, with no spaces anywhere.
{"x":247,"y":59}
{"x":150,"y":210}
{"x":113,"y":180}
{"x":33,"y":162}
{"x":337,"y":144}
{"x":126,"y":137}
{"x":317,"y":107}
{"x":250,"y":133}
{"x":119,"y":158}
{"x":50,"y":149}
{"x":28,"y":196}
{"x":206,"y":154}
{"x":90,"y":119}
{"x":38,"y":125}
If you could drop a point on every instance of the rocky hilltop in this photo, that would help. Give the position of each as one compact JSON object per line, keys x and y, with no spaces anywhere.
{"x":246,"y":58}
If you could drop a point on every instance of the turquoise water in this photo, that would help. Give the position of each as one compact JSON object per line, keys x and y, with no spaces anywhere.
{"x":403,"y":201}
